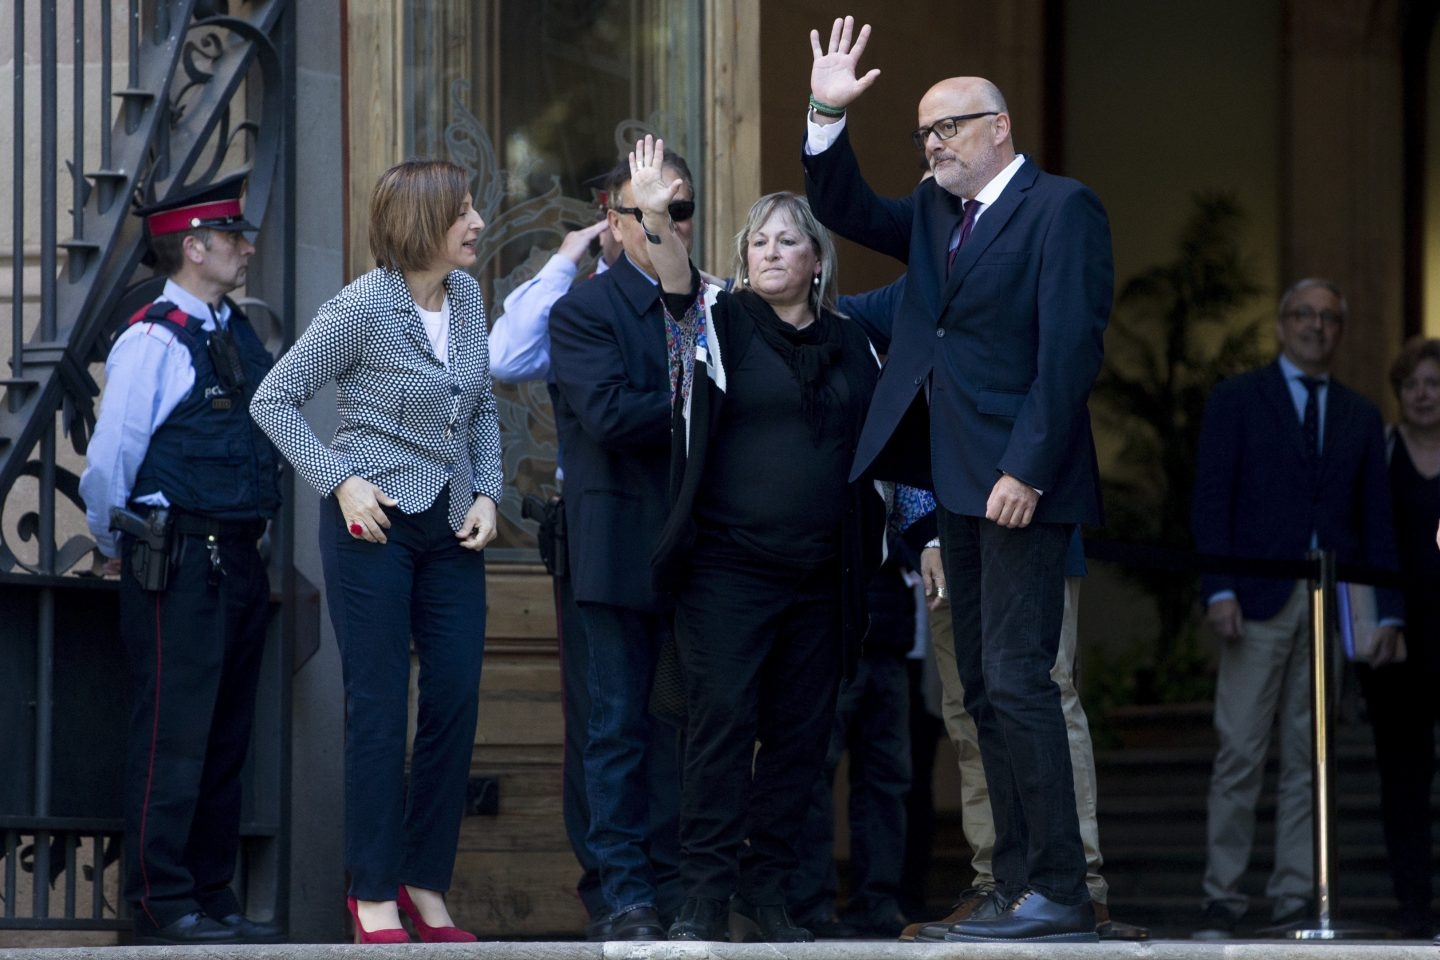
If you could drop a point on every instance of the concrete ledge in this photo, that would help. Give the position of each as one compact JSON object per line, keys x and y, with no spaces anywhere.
{"x":828,"y":950}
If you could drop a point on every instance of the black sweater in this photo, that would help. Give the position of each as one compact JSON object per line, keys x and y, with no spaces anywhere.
{"x":708,"y":451}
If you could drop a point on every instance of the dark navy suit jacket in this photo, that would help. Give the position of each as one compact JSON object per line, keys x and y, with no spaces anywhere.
{"x":612,"y":414}
{"x":1257,"y":494}
{"x":874,"y":311}
{"x":1010,"y":341}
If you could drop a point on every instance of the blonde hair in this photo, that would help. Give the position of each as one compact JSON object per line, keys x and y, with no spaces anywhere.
{"x":823,"y":295}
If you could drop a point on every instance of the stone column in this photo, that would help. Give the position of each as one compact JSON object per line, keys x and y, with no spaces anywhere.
{"x":1342,"y":172}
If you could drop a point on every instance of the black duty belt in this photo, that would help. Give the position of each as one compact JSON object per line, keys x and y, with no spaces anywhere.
{"x":193,"y":525}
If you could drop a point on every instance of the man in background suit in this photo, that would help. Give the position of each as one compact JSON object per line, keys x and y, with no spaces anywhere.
{"x":983,"y":400}
{"x":612,"y":414}
{"x":520,"y":352}
{"x":1288,"y":460}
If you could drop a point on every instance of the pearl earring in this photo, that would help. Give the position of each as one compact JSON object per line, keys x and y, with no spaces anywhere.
{"x":815,"y":280}
{"x":745,"y":281}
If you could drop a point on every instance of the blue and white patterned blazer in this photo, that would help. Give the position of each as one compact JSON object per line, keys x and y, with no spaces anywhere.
{"x":409,"y":423}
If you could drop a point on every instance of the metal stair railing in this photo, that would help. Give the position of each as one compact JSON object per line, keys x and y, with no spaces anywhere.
{"x":203,"y":95}
{"x":156,"y":142}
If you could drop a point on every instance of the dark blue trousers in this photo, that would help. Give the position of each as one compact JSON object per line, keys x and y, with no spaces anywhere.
{"x":194,"y":654}
{"x":420,"y":587}
{"x":575,"y":707}
{"x":631,"y":762}
{"x":1007,"y":597}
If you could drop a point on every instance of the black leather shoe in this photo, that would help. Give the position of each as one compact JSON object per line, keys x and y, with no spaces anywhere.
{"x":974,"y":904}
{"x":598,"y":930}
{"x":1031,"y":918}
{"x":700,"y":919}
{"x":641,"y":923}
{"x":253,"y":931}
{"x":764,"y":923}
{"x":1108,"y":929}
{"x":193,"y":928}
{"x":831,"y":928}
{"x":1297,"y":916}
{"x":1216,"y":923}
{"x":875,"y":926}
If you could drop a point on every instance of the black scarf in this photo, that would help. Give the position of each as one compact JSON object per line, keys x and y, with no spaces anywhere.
{"x":807,"y":353}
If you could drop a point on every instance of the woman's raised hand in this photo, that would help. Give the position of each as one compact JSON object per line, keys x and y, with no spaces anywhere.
{"x":652,"y":191}
{"x":832,"y":75}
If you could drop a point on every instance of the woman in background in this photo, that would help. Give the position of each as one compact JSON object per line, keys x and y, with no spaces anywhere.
{"x":409,"y":485}
{"x":1400,"y":696}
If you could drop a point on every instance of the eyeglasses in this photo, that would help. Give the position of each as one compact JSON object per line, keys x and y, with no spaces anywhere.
{"x":680,"y":211}
{"x":1309,"y":315}
{"x":947,"y":127}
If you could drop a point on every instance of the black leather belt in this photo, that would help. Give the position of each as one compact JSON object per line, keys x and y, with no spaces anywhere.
{"x":193,"y":525}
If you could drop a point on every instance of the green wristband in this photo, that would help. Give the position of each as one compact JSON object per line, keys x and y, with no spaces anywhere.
{"x":825,"y":109}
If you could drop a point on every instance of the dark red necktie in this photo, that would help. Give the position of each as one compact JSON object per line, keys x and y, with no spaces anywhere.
{"x":972,"y":207}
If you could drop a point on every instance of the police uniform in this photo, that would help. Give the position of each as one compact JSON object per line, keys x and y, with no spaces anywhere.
{"x":175,"y":434}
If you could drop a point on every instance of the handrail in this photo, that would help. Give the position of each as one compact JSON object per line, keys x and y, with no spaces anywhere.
{"x":175,"y":122}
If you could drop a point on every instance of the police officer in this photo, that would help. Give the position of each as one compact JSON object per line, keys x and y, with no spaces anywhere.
{"x":195,"y":480}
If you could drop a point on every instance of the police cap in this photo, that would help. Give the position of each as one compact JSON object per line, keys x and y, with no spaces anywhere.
{"x":209,"y":206}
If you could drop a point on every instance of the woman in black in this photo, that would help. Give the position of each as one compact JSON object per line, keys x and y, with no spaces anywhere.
{"x":1400,"y":697}
{"x":768,"y":546}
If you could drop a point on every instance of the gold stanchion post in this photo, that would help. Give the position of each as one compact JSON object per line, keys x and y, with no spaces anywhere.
{"x":1322,"y":712}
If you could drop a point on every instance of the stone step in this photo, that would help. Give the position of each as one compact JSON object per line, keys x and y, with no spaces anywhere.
{"x":1177,"y":949}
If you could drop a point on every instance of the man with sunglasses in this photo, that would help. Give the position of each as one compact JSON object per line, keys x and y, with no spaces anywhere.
{"x":983,"y":400}
{"x":612,"y":414}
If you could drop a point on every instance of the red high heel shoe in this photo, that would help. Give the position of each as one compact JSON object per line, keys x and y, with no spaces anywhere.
{"x":394,"y":935}
{"x":427,"y":933}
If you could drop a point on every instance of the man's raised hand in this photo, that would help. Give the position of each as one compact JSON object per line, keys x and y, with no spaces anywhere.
{"x":832,"y":76}
{"x":647,"y":177}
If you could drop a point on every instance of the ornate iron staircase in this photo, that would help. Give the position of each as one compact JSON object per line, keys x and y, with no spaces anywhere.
{"x":203,"y":93}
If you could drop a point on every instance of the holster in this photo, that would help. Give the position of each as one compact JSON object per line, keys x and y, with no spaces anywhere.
{"x":550,"y":533}
{"x":151,"y":538}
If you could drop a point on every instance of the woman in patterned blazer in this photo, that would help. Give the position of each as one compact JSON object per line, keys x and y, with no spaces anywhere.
{"x":410,"y":481}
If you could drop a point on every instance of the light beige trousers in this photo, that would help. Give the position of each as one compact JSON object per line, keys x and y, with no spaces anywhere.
{"x":1263,"y":684}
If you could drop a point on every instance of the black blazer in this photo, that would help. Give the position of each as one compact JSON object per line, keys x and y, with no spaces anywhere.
{"x":612,"y":414}
{"x":1258,"y":495}
{"x":1010,"y":341}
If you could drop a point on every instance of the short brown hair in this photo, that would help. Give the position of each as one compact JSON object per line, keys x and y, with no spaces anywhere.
{"x":167,"y":251}
{"x":413,"y":205}
{"x":1416,"y":349}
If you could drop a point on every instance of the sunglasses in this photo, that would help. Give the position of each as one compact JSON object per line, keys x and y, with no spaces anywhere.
{"x":680,"y":211}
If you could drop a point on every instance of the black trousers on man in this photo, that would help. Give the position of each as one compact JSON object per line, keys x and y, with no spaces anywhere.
{"x":1007,"y":596}
{"x":194,"y":652}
